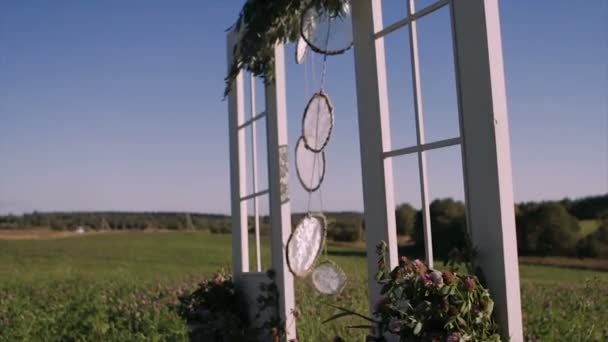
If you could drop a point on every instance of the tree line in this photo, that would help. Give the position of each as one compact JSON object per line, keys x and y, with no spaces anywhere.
{"x":543,"y":228}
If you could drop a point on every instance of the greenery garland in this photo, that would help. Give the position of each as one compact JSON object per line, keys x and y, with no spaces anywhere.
{"x":263,"y":24}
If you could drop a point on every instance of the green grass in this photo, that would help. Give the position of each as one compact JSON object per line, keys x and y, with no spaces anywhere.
{"x":107,"y":281}
{"x":588,"y":227}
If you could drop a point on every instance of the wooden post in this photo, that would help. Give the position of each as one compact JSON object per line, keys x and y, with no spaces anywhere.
{"x":278,"y":178}
{"x":374,"y":137}
{"x":238,"y":179}
{"x":486,"y":154}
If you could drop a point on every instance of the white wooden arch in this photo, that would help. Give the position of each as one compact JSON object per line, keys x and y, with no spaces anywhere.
{"x":483,"y":137}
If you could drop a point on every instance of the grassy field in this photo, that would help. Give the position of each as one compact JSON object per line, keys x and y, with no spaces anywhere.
{"x":116,"y":287}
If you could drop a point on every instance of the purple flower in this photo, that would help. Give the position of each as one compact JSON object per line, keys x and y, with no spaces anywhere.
{"x":419,"y":266}
{"x":454,"y":337}
{"x":437,"y":278}
{"x":425,"y":278}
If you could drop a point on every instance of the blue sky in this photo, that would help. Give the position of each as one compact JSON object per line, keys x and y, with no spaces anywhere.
{"x":116,"y":105}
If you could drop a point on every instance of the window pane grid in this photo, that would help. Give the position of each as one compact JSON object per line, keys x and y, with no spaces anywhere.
{"x":411,"y":18}
{"x":252,"y":122}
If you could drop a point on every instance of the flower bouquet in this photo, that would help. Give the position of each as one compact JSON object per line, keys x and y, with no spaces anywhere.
{"x":422,"y":304}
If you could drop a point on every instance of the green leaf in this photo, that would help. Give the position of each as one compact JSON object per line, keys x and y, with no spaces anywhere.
{"x":490,"y":307}
{"x":362,"y":326}
{"x":347,"y":312}
{"x":336,"y":316}
{"x":418,"y":328}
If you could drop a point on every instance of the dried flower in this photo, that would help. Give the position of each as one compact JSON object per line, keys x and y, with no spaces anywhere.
{"x":419,"y":266}
{"x":437,"y":278}
{"x":448,"y":277}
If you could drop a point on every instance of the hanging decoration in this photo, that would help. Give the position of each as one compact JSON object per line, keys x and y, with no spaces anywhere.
{"x":322,"y":31}
{"x":328,"y":278}
{"x":262,"y":24}
{"x":310,"y":166}
{"x":327,"y":31}
{"x":305,"y":244}
{"x":317,"y":122}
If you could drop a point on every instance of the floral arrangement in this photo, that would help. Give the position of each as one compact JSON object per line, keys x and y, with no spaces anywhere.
{"x":262,"y":24}
{"x":422,"y":304}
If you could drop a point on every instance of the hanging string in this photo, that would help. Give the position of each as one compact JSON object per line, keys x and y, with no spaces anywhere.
{"x":322,"y":86}
{"x":324,"y":71}
{"x":306,"y":59}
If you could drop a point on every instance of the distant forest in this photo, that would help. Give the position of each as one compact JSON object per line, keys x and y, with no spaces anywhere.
{"x":572,"y":227}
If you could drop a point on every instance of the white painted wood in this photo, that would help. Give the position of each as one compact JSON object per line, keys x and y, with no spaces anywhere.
{"x":420,"y":140}
{"x":254,"y":171}
{"x":486,"y":154}
{"x":254,"y":195}
{"x":374,"y":137}
{"x":280,"y":207}
{"x":412,"y":17}
{"x":252,"y":119}
{"x":238,"y":183}
{"x":424,"y":147}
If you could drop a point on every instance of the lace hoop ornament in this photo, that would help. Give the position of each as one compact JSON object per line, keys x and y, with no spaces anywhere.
{"x":327,"y":33}
{"x":305,"y":244}
{"x":329,"y":278}
{"x":310,"y":167}
{"x":317,"y":122}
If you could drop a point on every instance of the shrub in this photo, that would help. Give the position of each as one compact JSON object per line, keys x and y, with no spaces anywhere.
{"x":405,"y":219}
{"x":220,"y":228}
{"x":594,"y":245}
{"x":345,"y":228}
{"x":448,"y":226}
{"x":546,"y":229}
{"x":216,"y":311}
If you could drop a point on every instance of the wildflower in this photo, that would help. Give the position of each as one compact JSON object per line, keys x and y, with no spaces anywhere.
{"x":471,"y":283}
{"x":454,"y":337}
{"x":437,"y":278}
{"x":403,"y":261}
{"x":425,"y":278}
{"x":218,"y":280}
{"x":419,"y":266}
